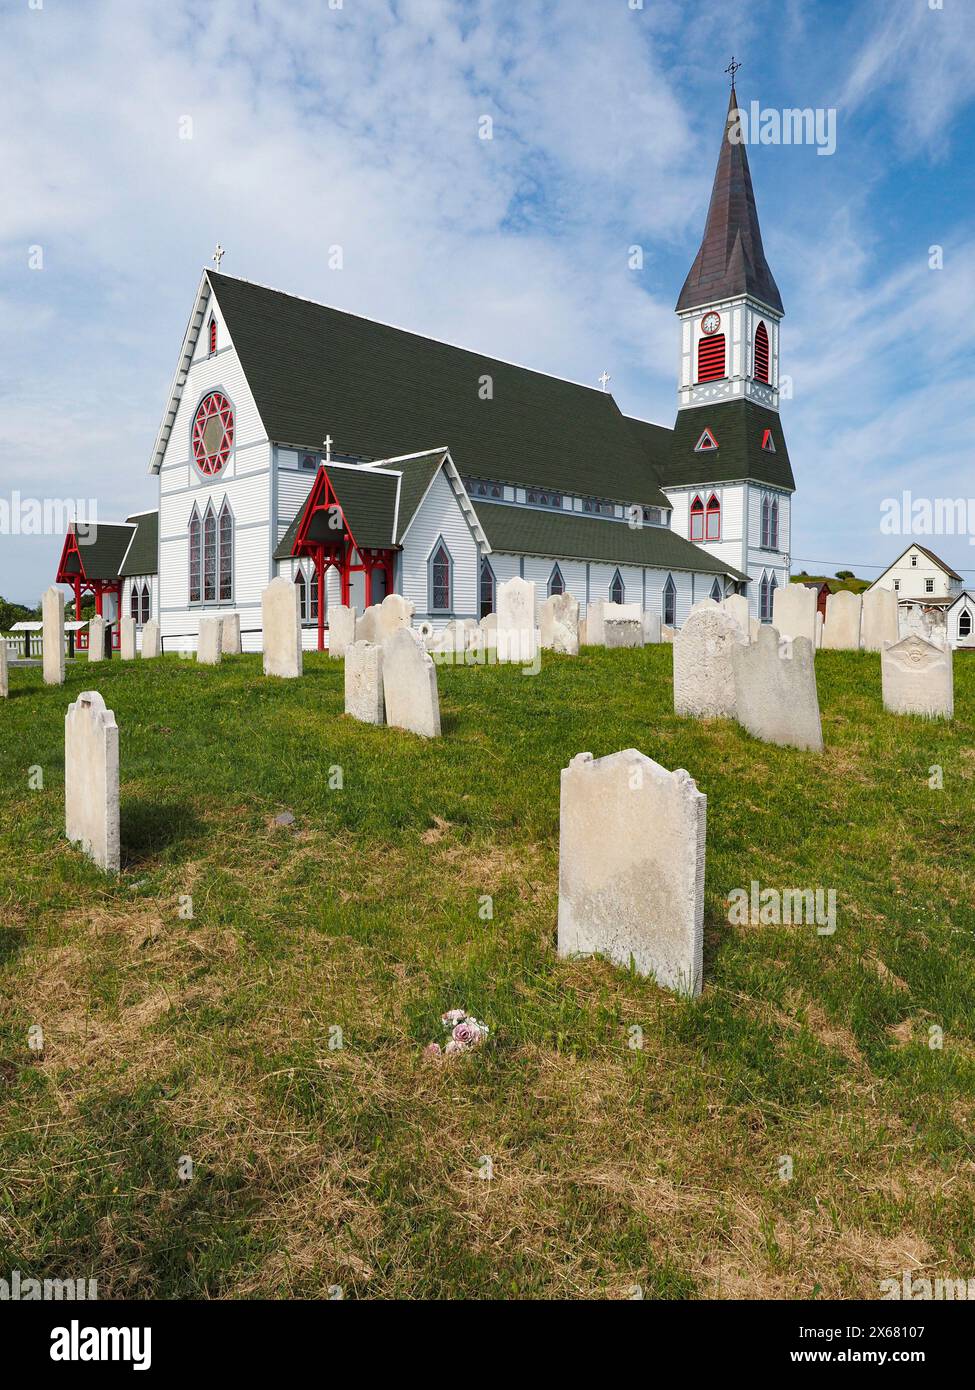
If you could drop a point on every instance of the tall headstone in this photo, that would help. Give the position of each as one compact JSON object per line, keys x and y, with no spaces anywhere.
{"x":394,"y":612}
{"x":231,"y":634}
{"x":209,"y":642}
{"x":737,"y":606}
{"x":631,"y":867}
{"x":879,"y":619}
{"x":96,"y":639}
{"x":4,"y":670}
{"x":559,"y":623}
{"x":151,"y":645}
{"x":917,"y":678}
{"x":281,"y":624}
{"x":794,"y":612}
{"x":775,"y":690}
{"x":410,"y":685}
{"x":126,"y":639}
{"x":364,"y":682}
{"x":367,"y":628}
{"x":91,"y":780}
{"x":841,"y":630}
{"x":52,"y":614}
{"x":516,"y":621}
{"x":704,"y":677}
{"x":341,"y":628}
{"x":651,"y":628}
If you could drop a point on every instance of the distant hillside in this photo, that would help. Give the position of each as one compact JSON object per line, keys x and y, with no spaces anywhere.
{"x":854,"y":585}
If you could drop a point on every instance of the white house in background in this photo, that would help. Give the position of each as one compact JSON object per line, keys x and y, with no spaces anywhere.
{"x":960,"y":620}
{"x":923,"y":582}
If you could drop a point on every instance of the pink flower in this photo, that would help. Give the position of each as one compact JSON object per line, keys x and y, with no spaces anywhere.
{"x":467,"y":1033}
{"x":454,"y":1047}
{"x":453,"y":1016}
{"x":432,"y":1050}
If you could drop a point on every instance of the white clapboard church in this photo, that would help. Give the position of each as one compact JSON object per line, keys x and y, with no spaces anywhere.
{"x":358,"y":459}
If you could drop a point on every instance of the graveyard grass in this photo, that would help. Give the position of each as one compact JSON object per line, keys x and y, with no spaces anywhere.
{"x":358,"y":1168}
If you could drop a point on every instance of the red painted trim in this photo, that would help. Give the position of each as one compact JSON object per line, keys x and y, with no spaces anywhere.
{"x":761,"y":366}
{"x":70,"y":547}
{"x":711,"y":358}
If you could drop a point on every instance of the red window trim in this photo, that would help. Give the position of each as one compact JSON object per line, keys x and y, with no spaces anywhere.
{"x":701,"y":448}
{"x":697,"y":520}
{"x":713,"y":509}
{"x":212,"y":330}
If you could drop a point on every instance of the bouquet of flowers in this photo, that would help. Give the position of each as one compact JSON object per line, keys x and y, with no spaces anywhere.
{"x":465,"y":1031}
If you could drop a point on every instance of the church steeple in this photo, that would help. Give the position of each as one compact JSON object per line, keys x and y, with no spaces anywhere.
{"x":731,"y":261}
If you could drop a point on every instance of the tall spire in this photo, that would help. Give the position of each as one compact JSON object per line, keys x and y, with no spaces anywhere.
{"x":731,"y":260}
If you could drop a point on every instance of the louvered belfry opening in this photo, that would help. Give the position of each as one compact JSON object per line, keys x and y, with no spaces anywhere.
{"x":710,"y":358}
{"x":761,"y":353}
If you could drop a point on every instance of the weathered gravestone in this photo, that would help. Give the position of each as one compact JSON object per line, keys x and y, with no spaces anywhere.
{"x":622,"y":632}
{"x":4,"y":671}
{"x":209,"y":642}
{"x":394,"y":612}
{"x":704,"y":677}
{"x":559,"y":624}
{"x":91,"y":799}
{"x":367,"y":628}
{"x":126,"y":639}
{"x":601,"y":611}
{"x":631,"y":866}
{"x":775,"y":690}
{"x":516,"y":621}
{"x":737,"y":606}
{"x":841,"y":630}
{"x":794,"y":612}
{"x":879,"y":619}
{"x":410,"y":685}
{"x":52,"y":636}
{"x":917,"y":678}
{"x":230,"y":640}
{"x":151,"y":645}
{"x":667,"y":634}
{"x":651,"y":628}
{"x":96,"y":639}
{"x":341,"y":629}
{"x":281,"y":623}
{"x":364,"y":682}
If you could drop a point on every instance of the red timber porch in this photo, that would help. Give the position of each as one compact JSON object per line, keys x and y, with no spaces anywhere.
{"x":339,"y":527}
{"x":90,"y":566}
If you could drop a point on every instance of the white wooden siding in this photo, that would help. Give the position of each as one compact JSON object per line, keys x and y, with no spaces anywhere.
{"x":440,"y":515}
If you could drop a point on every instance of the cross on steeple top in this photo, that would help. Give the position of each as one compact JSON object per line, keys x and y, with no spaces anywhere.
{"x":327,"y":441}
{"x":604,"y":380}
{"x":732,"y":68}
{"x":218,"y":255}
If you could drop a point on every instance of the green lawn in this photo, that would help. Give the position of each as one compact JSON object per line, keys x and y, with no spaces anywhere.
{"x":361,"y":1167}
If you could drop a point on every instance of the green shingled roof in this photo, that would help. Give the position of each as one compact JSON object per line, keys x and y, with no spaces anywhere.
{"x":738,"y":426}
{"x":571,"y":536}
{"x":379,"y":391}
{"x":142,"y":556}
{"x":417,"y":475}
{"x":101,"y":550}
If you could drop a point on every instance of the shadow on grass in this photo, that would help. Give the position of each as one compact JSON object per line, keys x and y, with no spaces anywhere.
{"x":149,"y":827}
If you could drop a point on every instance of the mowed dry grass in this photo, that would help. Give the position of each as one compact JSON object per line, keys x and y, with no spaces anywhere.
{"x":328,"y":1160}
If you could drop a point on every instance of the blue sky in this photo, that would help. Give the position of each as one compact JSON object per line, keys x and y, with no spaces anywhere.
{"x":358,"y":125}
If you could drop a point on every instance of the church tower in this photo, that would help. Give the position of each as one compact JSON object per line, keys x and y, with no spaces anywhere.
{"x":729,"y":475}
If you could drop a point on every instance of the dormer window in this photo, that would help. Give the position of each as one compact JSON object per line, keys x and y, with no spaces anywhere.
{"x":212,"y":335}
{"x":707,"y":441}
{"x":768,"y":443}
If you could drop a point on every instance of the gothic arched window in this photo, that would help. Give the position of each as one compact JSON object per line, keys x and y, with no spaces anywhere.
{"x":617,"y":592}
{"x":669,"y":604}
{"x":774,"y":524}
{"x":440,"y":577}
{"x":302,"y":594}
{"x":712,"y":529}
{"x":487,"y":588}
{"x":146,"y":602}
{"x":226,"y":568}
{"x":766,"y":522}
{"x":134,"y":601}
{"x":697,"y":520}
{"x":556,"y":584}
{"x":716,"y":591}
{"x":213,"y":335}
{"x":965,"y":623}
{"x":195,"y":556}
{"x":761,"y":353}
{"x":209,"y":554}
